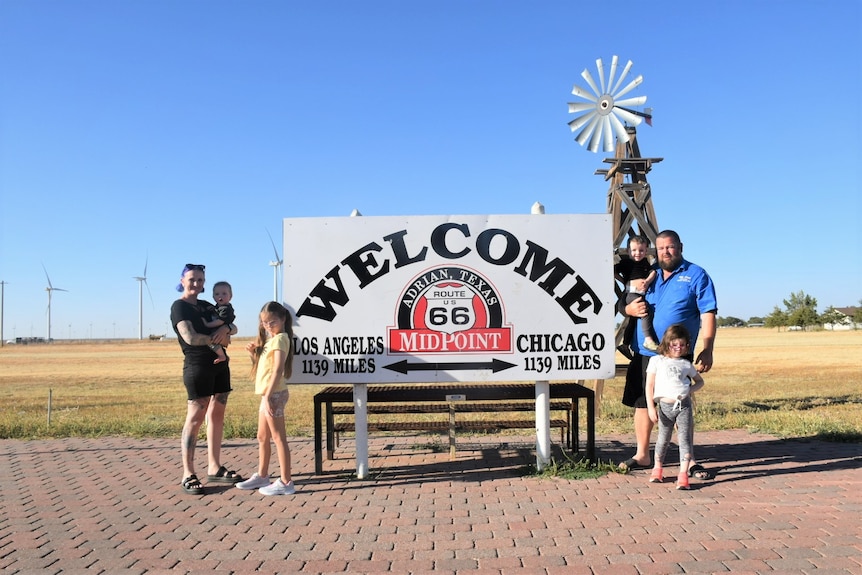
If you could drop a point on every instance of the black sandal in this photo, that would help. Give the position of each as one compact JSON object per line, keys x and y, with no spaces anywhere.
{"x":224,"y":475}
{"x":698,"y":471}
{"x":630,"y":464}
{"x":192,"y":485}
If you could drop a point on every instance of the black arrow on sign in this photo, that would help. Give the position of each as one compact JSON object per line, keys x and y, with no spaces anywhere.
{"x":494,"y":365}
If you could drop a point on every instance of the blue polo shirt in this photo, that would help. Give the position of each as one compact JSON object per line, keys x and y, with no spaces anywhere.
{"x":681,"y":298}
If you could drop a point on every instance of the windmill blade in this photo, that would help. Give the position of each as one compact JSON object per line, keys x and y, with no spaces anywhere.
{"x":580,"y":107}
{"x":589,"y":78}
{"x":274,"y":249}
{"x":50,"y":287}
{"x":614,"y":60}
{"x":596,"y":138}
{"x":588,"y":130}
{"x":628,"y":116}
{"x":142,"y":280}
{"x":629,"y":102}
{"x":631,"y":86}
{"x":619,"y":129}
{"x":578,"y":91}
{"x":623,"y":74}
{"x":146,"y":263}
{"x":582,"y":119}
{"x":608,"y":133}
{"x":600,"y":66}
{"x":149,"y":293}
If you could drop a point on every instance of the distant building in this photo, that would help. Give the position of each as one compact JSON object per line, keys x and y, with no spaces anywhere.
{"x":846,"y":322}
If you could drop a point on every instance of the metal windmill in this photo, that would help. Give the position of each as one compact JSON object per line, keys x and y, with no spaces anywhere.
{"x":629,"y":199}
{"x":50,"y":289}
{"x":276,"y":264}
{"x":600,"y":115}
{"x":629,"y":195}
{"x":142,"y":281}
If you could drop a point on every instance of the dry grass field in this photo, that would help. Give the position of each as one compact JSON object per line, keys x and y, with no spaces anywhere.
{"x":791,"y":384}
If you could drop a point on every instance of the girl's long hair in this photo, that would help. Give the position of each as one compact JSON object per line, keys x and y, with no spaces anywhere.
{"x":281,"y":312}
{"x":676,"y":331}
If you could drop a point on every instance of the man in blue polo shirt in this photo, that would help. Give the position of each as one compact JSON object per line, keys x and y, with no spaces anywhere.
{"x":682,"y":293}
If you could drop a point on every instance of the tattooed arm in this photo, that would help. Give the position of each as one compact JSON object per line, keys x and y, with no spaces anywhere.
{"x":190,"y":336}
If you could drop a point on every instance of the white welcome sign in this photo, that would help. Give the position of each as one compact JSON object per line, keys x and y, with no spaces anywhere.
{"x":400,"y":299}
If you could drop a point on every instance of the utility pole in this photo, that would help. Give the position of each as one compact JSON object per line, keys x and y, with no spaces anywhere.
{"x":2,"y":295}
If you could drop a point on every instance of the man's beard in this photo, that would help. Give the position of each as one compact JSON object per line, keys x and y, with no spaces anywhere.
{"x":670,"y":265}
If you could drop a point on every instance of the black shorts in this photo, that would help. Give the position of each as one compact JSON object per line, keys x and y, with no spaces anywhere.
{"x":634,"y":394}
{"x":202,"y":380}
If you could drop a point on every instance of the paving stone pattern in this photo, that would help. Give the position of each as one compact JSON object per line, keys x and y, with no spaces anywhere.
{"x":114,"y":506}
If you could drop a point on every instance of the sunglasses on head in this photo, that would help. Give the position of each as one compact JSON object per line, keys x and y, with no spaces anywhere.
{"x":196,"y":267}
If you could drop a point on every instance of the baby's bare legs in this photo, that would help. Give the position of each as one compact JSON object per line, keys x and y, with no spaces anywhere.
{"x":220,"y":354}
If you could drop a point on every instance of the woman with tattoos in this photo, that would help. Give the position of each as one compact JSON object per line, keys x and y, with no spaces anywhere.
{"x":207,"y":383}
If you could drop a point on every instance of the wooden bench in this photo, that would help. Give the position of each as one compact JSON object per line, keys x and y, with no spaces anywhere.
{"x":454,"y":423}
{"x":432,"y":398}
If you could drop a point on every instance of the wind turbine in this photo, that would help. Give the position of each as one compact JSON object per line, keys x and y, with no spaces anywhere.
{"x":142,"y":280}
{"x":50,"y":289}
{"x":275,"y":265}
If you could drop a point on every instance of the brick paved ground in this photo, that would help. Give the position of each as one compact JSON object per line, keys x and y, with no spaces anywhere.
{"x":115,"y":506}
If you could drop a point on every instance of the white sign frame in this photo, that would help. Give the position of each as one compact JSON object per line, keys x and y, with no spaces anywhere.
{"x":536,"y":293}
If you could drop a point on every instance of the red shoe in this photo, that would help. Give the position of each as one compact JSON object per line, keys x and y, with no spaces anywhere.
{"x":682,"y":481}
{"x":656,"y":476}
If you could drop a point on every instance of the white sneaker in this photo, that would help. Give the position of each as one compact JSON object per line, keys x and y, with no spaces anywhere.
{"x":253,"y":482}
{"x":278,"y":487}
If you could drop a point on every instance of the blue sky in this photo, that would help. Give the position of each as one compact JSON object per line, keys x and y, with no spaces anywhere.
{"x":159,"y":132}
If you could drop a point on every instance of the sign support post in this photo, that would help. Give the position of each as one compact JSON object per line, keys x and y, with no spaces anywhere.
{"x":543,"y":399}
{"x":360,"y":413}
{"x":543,"y":424}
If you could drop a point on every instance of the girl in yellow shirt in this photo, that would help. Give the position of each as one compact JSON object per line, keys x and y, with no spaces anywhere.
{"x":272,"y":357}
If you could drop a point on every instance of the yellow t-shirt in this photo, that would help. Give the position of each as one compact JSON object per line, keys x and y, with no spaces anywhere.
{"x":265,"y":367}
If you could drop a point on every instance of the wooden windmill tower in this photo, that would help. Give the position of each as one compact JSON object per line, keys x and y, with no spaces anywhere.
{"x":629,"y":200}
{"x":630,"y":206}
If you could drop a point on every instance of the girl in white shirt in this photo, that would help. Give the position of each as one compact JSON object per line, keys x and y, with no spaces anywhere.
{"x":671,"y":379}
